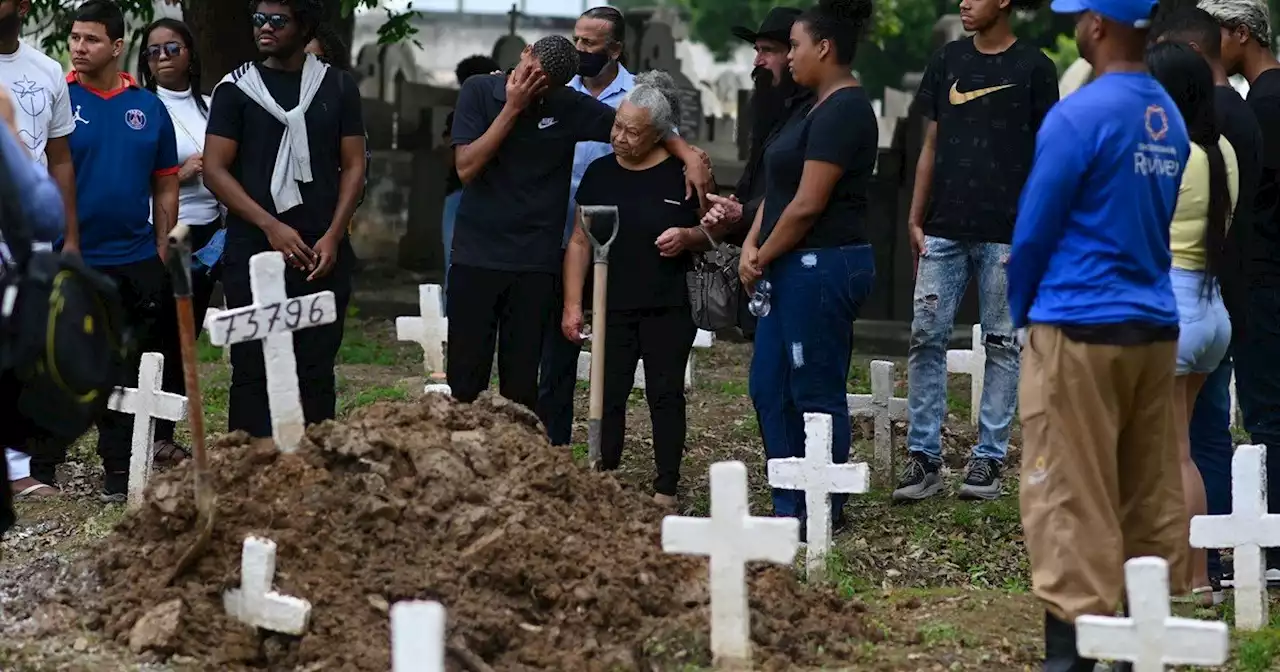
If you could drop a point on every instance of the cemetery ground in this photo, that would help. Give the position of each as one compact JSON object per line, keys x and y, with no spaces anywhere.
{"x":941,"y":585}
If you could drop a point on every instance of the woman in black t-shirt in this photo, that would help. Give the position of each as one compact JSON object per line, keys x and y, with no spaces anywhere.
{"x":648,"y":312}
{"x":809,"y":241}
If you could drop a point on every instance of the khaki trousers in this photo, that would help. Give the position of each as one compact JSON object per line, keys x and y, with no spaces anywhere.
{"x":1100,"y":471}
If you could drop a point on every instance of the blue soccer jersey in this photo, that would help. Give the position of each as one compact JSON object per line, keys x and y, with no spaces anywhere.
{"x":123,"y":139}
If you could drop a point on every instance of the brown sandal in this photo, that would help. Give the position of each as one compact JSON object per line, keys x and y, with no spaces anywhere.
{"x":168,"y":453}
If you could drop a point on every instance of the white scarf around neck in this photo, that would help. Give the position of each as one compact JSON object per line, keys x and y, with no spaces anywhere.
{"x":293,"y":159}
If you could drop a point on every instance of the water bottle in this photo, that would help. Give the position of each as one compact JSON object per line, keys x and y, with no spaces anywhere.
{"x":759,"y":305}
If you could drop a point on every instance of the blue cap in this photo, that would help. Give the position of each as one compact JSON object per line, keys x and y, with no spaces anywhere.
{"x":1135,"y":13}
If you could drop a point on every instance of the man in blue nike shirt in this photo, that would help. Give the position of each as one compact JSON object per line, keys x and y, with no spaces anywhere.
{"x":1089,"y":279}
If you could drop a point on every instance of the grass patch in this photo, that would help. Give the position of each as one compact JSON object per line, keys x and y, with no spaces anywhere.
{"x":376,"y":394}
{"x":1257,"y":651}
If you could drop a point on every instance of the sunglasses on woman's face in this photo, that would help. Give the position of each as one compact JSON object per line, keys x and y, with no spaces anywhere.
{"x":170,"y":49}
{"x":277,"y":21}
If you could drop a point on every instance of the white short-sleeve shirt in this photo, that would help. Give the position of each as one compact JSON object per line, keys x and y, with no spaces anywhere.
{"x":42,"y":106}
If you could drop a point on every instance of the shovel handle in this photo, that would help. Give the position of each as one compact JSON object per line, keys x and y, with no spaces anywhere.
{"x":179,"y":260}
{"x":606,"y":214}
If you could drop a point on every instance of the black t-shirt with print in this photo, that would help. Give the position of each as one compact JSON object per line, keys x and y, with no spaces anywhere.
{"x":989,"y":108}
{"x":334,"y":114}
{"x":1262,"y":262}
{"x":649,"y":202}
{"x":511,"y":217}
{"x":842,"y":130}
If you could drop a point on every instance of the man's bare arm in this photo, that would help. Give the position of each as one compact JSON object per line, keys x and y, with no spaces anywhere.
{"x":62,"y":170}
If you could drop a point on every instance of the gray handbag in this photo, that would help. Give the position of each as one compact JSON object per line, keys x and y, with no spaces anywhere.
{"x":714,"y":287}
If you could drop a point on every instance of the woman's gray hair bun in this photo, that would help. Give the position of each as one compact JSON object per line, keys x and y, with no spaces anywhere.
{"x":656,"y":92}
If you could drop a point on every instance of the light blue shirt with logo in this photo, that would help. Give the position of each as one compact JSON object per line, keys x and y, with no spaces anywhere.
{"x":586,"y":152}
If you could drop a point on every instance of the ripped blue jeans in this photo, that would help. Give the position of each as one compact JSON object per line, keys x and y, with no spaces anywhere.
{"x":802,"y":352}
{"x":941,"y":280}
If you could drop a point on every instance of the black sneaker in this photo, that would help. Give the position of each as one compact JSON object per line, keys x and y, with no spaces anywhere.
{"x":920,"y":481}
{"x":981,"y":479}
{"x":115,"y":487}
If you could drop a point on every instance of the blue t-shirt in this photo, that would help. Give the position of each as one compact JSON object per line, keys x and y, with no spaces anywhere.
{"x":123,"y":139}
{"x":1091,"y":243}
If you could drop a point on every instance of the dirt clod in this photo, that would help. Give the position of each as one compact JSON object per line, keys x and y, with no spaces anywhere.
{"x":541,"y":564}
{"x":157,"y":629}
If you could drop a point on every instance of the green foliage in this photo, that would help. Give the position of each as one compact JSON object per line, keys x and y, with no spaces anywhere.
{"x":1063,"y":54}
{"x":53,"y":18}
{"x":397,"y":28}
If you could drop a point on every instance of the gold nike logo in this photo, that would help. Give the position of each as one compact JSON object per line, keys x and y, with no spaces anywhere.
{"x":958,"y":98}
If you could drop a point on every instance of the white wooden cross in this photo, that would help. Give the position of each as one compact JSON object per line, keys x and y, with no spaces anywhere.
{"x":272,"y":319}
{"x":1150,"y":637}
{"x":885,"y":408}
{"x":417,"y":636}
{"x":146,"y":403}
{"x":974,"y":363}
{"x":818,"y":477}
{"x":254,"y":603}
{"x":430,"y":330}
{"x":731,"y":537}
{"x":703,"y":339}
{"x":1248,"y":529}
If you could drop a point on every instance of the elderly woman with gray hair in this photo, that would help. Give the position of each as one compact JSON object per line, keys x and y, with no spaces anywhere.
{"x":649,"y":313}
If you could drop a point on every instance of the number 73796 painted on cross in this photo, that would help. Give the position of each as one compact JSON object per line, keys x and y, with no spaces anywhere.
{"x":252,"y":323}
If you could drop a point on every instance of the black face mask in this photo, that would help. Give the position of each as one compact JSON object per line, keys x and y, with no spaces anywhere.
{"x":590,"y":64}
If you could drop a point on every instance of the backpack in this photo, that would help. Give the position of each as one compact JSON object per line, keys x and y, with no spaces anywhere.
{"x":63,"y":338}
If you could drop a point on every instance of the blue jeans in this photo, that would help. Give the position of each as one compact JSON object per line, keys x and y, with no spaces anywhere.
{"x":943,"y":276}
{"x":1212,"y":447}
{"x":1257,"y":355}
{"x":557,"y":376}
{"x":446,"y":233}
{"x":802,"y":352}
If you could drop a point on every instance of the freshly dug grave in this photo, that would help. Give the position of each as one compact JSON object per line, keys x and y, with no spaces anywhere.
{"x":541,"y":564}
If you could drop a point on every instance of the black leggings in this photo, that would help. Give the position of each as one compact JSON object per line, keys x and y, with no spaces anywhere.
{"x":663,"y":337}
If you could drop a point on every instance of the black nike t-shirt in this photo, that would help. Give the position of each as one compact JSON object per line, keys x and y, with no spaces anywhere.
{"x":989,"y":108}
{"x":1262,"y":261}
{"x":511,"y":217}
{"x":334,"y":114}
{"x":649,"y":202}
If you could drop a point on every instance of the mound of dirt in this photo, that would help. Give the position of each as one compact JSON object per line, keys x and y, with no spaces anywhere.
{"x":541,"y":564}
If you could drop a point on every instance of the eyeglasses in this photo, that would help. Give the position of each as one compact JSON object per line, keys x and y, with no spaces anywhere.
{"x":170,"y":49}
{"x":277,"y":21}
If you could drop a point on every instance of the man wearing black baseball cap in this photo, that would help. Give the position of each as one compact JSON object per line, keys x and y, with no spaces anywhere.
{"x":1100,"y":475}
{"x":776,"y":97}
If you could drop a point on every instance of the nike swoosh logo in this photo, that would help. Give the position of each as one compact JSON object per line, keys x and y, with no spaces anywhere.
{"x":545,"y":124}
{"x":958,"y":98}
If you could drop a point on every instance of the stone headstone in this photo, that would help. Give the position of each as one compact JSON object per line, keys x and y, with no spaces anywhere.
{"x":254,"y":603}
{"x":272,"y":319}
{"x":1248,"y":529}
{"x":417,"y":636}
{"x":731,"y":537}
{"x":818,"y":477}
{"x":146,"y":403}
{"x":1150,"y":637}
{"x":657,"y":51}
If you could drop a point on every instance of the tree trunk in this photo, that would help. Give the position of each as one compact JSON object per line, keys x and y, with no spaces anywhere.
{"x":224,"y":34}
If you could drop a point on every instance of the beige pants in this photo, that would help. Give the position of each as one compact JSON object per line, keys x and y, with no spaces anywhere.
{"x":1100,"y":472}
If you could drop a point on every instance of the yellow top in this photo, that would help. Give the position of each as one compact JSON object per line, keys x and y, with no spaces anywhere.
{"x":1186,"y":233}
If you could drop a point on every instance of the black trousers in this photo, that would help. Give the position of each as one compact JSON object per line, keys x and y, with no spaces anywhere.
{"x":148,"y":306}
{"x":202,"y":283}
{"x":509,"y":306}
{"x":663,"y":337}
{"x":314,"y":349}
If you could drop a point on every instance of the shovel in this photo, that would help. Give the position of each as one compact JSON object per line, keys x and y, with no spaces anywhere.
{"x":605,"y":215}
{"x":179,"y":265}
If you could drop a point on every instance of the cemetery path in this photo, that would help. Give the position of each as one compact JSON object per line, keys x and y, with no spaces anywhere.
{"x":942,"y":585}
